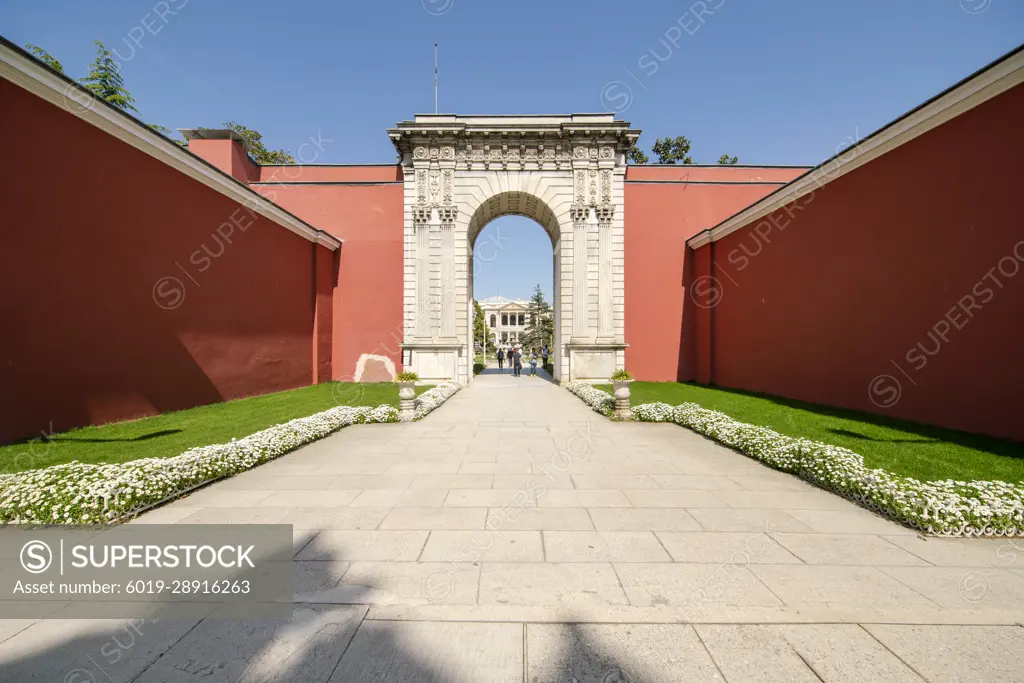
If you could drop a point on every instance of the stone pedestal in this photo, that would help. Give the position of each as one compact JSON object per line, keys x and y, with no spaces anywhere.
{"x":407,"y":401}
{"x":621,"y":392}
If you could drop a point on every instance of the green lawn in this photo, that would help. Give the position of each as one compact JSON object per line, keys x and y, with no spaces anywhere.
{"x":167,"y":435}
{"x":907,"y":448}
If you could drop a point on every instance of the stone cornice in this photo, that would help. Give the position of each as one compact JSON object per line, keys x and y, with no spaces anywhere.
{"x":514,"y":142}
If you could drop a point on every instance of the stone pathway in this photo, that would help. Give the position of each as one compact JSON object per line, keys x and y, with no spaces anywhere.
{"x":515,"y":535}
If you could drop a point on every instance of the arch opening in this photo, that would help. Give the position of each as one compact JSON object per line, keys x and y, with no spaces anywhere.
{"x":489,"y":243}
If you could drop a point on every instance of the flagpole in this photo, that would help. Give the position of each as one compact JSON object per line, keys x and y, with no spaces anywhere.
{"x":435,"y":78}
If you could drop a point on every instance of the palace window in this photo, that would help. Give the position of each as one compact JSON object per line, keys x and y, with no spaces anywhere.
{"x":493,"y":320}
{"x":504,"y":319}
{"x":521,"y":318}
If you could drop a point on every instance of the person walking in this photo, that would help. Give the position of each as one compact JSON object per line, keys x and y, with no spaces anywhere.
{"x":517,"y":360}
{"x":510,"y":356}
{"x":501,"y":359}
{"x":533,"y":362}
{"x":544,"y":354}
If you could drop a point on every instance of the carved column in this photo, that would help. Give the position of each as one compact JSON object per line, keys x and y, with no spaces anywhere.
{"x":448,"y":284}
{"x":421,"y":221}
{"x":579,"y":271}
{"x":605,"y":214}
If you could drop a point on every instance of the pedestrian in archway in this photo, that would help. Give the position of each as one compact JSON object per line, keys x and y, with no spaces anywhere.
{"x":544,"y":354}
{"x":501,"y":359}
{"x":533,"y":362}
{"x":517,"y":360}
{"x":510,"y":356}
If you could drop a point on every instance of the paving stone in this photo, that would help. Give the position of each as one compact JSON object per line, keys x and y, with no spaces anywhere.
{"x":754,"y":653}
{"x":852,"y":520}
{"x":490,"y":498}
{"x":603,"y":546}
{"x":694,"y":481}
{"x":213,"y":496}
{"x":400,"y":498}
{"x":654,"y":469}
{"x":243,"y":515}
{"x":772,"y":481}
{"x":310,"y":499}
{"x":257,"y":480}
{"x":783,"y":500}
{"x":435,"y":518}
{"x":572,"y":465}
{"x":495,"y":468}
{"x":692,"y":586}
{"x":823,"y":585}
{"x":539,"y":519}
{"x":484,"y":546}
{"x":305,"y":649}
{"x":643,"y":519}
{"x":168,"y":514}
{"x":565,"y":586}
{"x":613,"y":481}
{"x":317,"y":577}
{"x":846,"y":549}
{"x":957,"y":653}
{"x":395,"y":546}
{"x":997,"y":553}
{"x":452,"y":481}
{"x":608,"y":653}
{"x":335,"y":518}
{"x":407,"y":583}
{"x":411,"y":652}
{"x":964,"y":588}
{"x":733,"y":519}
{"x":846,"y":653}
{"x":373,"y":481}
{"x":592,"y":498}
{"x":672,"y":498}
{"x":423,"y":467}
{"x":533,"y":482}
{"x":727,"y":548}
{"x":80,"y":651}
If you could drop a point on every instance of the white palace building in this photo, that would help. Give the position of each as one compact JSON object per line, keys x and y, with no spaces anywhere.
{"x":506,"y":319}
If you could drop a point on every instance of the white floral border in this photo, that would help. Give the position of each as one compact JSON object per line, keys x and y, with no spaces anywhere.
{"x":948,"y":507}
{"x":81,"y":493}
{"x":429,"y":400}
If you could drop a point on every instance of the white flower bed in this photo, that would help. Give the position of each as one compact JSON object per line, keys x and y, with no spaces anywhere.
{"x":432,"y":398}
{"x":79,"y":493}
{"x":601,"y":401}
{"x":950,"y":508}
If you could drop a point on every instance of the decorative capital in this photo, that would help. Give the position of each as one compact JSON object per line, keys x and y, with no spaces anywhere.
{"x":579,"y":212}
{"x":421,"y":214}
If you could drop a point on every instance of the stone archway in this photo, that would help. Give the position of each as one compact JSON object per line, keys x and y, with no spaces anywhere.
{"x":564,"y":172}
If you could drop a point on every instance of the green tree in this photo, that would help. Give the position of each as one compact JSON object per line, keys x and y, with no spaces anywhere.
{"x":44,"y":57}
{"x":672,"y":150}
{"x":636,"y":156}
{"x":725,"y":159}
{"x":258,"y":151}
{"x":105,"y":80}
{"x":480,"y":333}
{"x":540,"y":330}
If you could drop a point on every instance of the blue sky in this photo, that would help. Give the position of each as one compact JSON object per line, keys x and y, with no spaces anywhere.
{"x":780,"y":82}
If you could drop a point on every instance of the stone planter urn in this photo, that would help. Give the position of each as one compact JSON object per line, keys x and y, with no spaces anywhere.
{"x":406,"y":401}
{"x":620,"y":389}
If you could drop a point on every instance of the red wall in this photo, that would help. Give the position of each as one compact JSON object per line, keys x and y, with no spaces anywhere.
{"x":368,"y":218}
{"x":660,"y":215}
{"x":95,"y":329}
{"x":897,"y":288}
